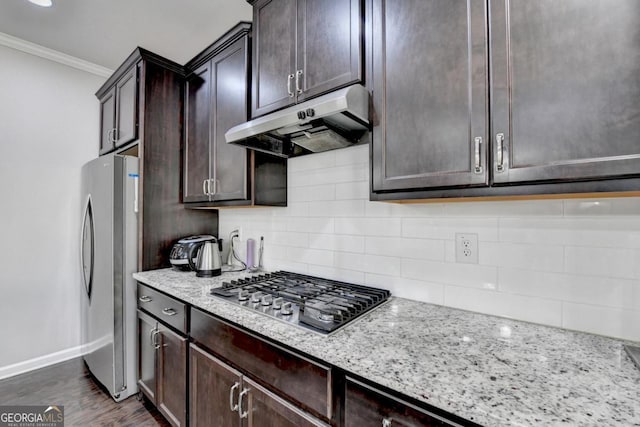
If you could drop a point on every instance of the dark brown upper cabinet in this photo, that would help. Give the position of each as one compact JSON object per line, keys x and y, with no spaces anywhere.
{"x":551,"y":110}
{"x":147,"y":92}
{"x":303,"y":48}
{"x":216,"y":173}
{"x":565,"y":90}
{"x":119,"y":112}
{"x":430,"y":94}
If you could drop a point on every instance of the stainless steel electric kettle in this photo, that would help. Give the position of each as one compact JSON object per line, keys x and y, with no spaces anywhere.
{"x":209,"y":260}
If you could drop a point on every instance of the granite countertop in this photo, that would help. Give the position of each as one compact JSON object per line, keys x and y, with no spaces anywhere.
{"x":491,"y":370}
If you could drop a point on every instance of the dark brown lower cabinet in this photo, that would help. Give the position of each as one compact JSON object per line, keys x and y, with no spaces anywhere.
{"x":366,"y":406}
{"x":222,"y":396}
{"x":163,"y":368}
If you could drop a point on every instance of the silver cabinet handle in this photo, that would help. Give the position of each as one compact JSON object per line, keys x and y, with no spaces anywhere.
{"x":145,"y":298}
{"x":298,"y":74}
{"x":114,"y":135}
{"x":233,"y":406}
{"x":154,"y":335}
{"x":243,"y":414}
{"x":109,"y":135}
{"x":499,"y":152}
{"x":206,"y":187}
{"x":386,"y":422}
{"x":169,"y":311}
{"x":289,"y":79}
{"x":477,"y":143}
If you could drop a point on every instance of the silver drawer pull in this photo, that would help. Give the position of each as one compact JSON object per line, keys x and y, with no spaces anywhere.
{"x":243,"y":414}
{"x":233,"y":406}
{"x":169,"y":311}
{"x":144,"y":298}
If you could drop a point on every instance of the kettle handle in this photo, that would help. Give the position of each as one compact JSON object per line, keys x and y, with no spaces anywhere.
{"x":192,"y":250}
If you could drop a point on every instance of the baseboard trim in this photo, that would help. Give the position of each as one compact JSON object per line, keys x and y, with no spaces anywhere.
{"x":53,"y":55}
{"x":39,"y":362}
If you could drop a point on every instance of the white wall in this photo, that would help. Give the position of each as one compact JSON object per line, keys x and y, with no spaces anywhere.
{"x":568,"y":263}
{"x":48,"y":130}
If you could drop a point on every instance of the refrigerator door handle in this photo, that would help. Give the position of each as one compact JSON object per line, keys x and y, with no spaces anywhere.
{"x":88,"y":232}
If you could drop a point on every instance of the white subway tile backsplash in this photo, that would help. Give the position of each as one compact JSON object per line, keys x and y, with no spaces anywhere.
{"x":352,"y":190}
{"x":538,"y":310}
{"x":310,"y":256}
{"x":406,"y":248}
{"x":605,"y":291}
{"x":338,"y":243}
{"x":389,"y":266}
{"x":406,"y":288}
{"x":332,"y":273}
{"x":534,"y":257}
{"x":614,"y":322}
{"x":602,"y":262}
{"x":446,"y":228}
{"x":358,"y":154}
{"x":337,"y":208}
{"x":573,"y":263}
{"x":603,"y":232}
{"x":312,"y":193}
{"x":317,"y":161}
{"x":369,"y":226}
{"x":467,"y":275}
{"x":311,"y":225}
{"x":289,"y":238}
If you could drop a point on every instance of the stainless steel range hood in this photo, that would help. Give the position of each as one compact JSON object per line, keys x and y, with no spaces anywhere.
{"x":335,"y":120}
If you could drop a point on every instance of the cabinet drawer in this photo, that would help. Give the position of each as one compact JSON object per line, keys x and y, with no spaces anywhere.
{"x":301,"y":380}
{"x":163,"y":307}
{"x":366,"y":406}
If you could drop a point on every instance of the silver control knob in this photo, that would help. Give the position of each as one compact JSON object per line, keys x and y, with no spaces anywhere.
{"x":266,"y":300}
{"x":277,"y":303}
{"x":287,"y":309}
{"x":243,"y":295}
{"x":255,"y":297}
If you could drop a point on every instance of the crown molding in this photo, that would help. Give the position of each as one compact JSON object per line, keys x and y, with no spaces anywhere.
{"x":53,"y":55}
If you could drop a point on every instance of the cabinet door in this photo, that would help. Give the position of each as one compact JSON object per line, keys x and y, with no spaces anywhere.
{"x":328,"y":46}
{"x":274,"y":55}
{"x":107,"y":121}
{"x":365,"y":406}
{"x":198,"y":118}
{"x":260,"y":407}
{"x":565,"y":89}
{"x":127,"y":108}
{"x":430,"y":101}
{"x":171,"y":396}
{"x":147,"y":355}
{"x":214,"y":388}
{"x":230,"y":71}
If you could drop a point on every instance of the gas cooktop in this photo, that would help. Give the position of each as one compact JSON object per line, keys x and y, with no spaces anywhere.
{"x":321,"y":305}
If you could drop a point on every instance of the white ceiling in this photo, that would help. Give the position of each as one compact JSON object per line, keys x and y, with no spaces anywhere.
{"x":105,"y":32}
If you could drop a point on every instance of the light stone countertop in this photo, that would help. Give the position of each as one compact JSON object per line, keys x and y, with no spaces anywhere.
{"x":490,"y":370}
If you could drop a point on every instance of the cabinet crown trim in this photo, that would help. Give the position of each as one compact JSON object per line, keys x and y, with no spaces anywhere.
{"x":241,"y":29}
{"x":139,"y":54}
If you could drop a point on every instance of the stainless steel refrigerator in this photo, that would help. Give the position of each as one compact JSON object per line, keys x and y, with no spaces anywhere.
{"x":108,"y":260}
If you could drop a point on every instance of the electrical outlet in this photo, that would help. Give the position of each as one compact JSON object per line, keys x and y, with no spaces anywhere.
{"x":467,"y":248}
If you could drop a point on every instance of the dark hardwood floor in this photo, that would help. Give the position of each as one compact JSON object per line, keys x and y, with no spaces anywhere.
{"x":85,"y":402}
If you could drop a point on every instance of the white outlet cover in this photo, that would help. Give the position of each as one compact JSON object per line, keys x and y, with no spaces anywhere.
{"x":467,"y":248}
